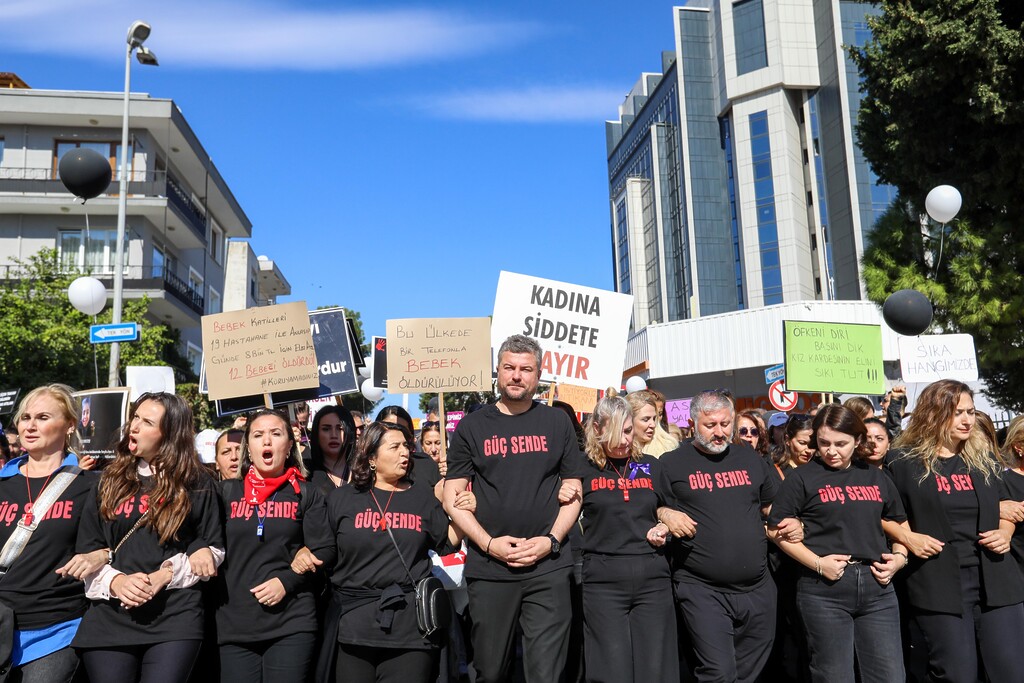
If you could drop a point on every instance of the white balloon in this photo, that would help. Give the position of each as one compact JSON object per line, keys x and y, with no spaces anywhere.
{"x":87,"y":295}
{"x":635,"y":383}
{"x":370,"y":392}
{"x":367,"y":368}
{"x":943,"y":203}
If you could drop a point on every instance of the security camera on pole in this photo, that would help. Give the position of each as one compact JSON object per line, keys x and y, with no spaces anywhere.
{"x":137,"y":34}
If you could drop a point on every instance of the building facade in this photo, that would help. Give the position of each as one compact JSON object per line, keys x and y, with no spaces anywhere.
{"x":181,"y":215}
{"x":734,"y":177}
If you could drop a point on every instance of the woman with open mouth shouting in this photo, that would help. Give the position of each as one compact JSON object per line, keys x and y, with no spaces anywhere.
{"x":158,"y":513}
{"x":266,"y":622}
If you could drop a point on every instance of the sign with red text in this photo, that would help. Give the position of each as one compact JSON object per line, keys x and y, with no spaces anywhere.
{"x":259,"y":351}
{"x":427,"y":355}
{"x":582,"y":330}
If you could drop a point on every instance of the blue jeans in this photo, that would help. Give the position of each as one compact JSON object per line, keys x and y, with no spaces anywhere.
{"x":852,"y":617}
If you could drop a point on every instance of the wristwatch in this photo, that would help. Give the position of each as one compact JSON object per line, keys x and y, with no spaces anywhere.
{"x":556,"y":547}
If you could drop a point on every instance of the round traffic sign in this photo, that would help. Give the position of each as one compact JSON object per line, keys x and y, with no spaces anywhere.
{"x":782,"y":400}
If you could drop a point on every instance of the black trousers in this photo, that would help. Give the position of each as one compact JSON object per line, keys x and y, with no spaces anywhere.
{"x":951,"y":638}
{"x":542,"y":607}
{"x":732,"y":633}
{"x":284,"y":659}
{"x":168,"y":662}
{"x":361,"y":664}
{"x":629,"y":619}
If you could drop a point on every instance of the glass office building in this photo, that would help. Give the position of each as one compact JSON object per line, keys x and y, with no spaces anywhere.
{"x":734,"y":177}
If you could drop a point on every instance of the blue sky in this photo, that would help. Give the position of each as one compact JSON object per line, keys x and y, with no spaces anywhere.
{"x":393,"y":157}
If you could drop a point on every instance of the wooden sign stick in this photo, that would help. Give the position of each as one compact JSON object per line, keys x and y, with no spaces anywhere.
{"x":551,"y":394}
{"x":443,"y":426}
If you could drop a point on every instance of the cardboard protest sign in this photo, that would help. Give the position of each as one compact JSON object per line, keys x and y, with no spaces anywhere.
{"x":842,"y":358}
{"x":380,"y":362}
{"x":258,"y":351}
{"x":582,"y":330}
{"x":677,"y":412}
{"x":931,"y":357}
{"x":582,"y":399}
{"x":439,"y":354}
{"x":103,"y":412}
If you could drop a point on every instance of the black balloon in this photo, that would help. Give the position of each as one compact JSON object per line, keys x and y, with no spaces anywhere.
{"x":85,"y":172}
{"x":907,"y":312}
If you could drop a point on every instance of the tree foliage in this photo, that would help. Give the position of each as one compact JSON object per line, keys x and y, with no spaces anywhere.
{"x":47,"y":340}
{"x":944,"y":103}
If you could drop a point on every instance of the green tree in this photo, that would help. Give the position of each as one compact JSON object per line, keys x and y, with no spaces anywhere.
{"x":47,"y":340}
{"x":457,"y":400}
{"x":944,"y":103}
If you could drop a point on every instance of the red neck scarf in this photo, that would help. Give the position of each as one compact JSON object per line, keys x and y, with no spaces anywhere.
{"x":258,"y":490}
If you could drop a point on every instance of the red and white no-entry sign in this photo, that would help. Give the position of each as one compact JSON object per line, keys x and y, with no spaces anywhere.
{"x":782,"y":400}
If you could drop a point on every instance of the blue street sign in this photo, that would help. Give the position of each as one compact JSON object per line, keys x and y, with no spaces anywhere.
{"x":774,"y":372}
{"x":106,"y":334}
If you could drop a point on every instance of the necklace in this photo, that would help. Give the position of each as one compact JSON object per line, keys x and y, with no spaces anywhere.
{"x":622,"y":478}
{"x":383,"y":511}
{"x":28,"y":517}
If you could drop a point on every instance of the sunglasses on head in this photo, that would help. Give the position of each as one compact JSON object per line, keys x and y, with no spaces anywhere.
{"x":752,"y":431}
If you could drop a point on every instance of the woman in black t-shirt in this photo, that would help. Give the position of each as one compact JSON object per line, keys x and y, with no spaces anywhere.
{"x":39,"y":587}
{"x":1012,"y":509}
{"x":963,"y":588}
{"x":377,"y":636}
{"x":158,"y":511}
{"x":266,"y":619}
{"x":629,"y":618}
{"x":332,"y":438}
{"x":844,"y":594}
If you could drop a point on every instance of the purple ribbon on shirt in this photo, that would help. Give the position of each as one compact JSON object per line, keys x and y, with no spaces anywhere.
{"x":645,"y":467}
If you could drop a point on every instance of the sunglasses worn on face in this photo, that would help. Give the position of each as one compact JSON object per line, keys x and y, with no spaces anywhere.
{"x":753,"y":431}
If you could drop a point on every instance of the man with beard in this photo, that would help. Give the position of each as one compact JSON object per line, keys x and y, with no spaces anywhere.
{"x":718,"y":494}
{"x":517,"y":454}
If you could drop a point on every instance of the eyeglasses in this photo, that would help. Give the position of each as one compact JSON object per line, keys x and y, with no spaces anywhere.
{"x":753,"y":431}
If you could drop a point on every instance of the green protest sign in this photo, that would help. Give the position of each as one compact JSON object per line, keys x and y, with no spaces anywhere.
{"x":840,"y":358}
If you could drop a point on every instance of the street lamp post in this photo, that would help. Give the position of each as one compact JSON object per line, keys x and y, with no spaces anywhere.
{"x":137,"y":34}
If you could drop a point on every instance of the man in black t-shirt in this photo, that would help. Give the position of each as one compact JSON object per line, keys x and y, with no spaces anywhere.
{"x":717,"y":495}
{"x":516,"y":453}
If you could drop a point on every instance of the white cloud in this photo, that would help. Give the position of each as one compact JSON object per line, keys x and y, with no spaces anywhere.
{"x":250,"y":34}
{"x":538,"y":104}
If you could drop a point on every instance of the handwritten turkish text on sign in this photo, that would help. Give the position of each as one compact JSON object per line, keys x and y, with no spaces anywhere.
{"x":427,"y":355}
{"x":582,"y":330}
{"x":582,"y":399}
{"x":932,"y":357}
{"x":833,"y":357}
{"x":677,"y":412}
{"x":259,"y":350}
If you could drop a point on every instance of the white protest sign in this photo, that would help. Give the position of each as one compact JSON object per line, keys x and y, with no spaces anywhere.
{"x":932,"y":357}
{"x":582,"y":330}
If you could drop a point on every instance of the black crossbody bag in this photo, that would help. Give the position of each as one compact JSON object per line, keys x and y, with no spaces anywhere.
{"x":433,"y":607}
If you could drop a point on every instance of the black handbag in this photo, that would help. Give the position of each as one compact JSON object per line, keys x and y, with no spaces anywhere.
{"x":433,"y":606}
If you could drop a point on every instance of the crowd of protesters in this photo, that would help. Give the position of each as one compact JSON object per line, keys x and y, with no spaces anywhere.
{"x":741,"y":546}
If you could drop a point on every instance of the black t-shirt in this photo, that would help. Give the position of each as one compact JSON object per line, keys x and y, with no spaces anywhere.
{"x":367,"y":561}
{"x":724,"y":495}
{"x":175,"y":614}
{"x":620,"y":506}
{"x":1012,"y":488}
{"x":841,"y":509}
{"x":516,"y":464}
{"x":32,"y":588}
{"x":290,"y":521}
{"x":424,"y":469}
{"x":960,"y":503}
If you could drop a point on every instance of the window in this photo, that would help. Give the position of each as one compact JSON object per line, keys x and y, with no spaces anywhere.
{"x":252,"y":287}
{"x":195,"y":357}
{"x":95,"y":254}
{"x":195,"y":281}
{"x":213,"y":304}
{"x":748,"y":34}
{"x":1,"y":150}
{"x":158,"y":262}
{"x":109,"y":150}
{"x":216,"y":243}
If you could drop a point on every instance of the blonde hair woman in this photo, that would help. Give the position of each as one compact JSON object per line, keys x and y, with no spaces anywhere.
{"x":652,"y":437}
